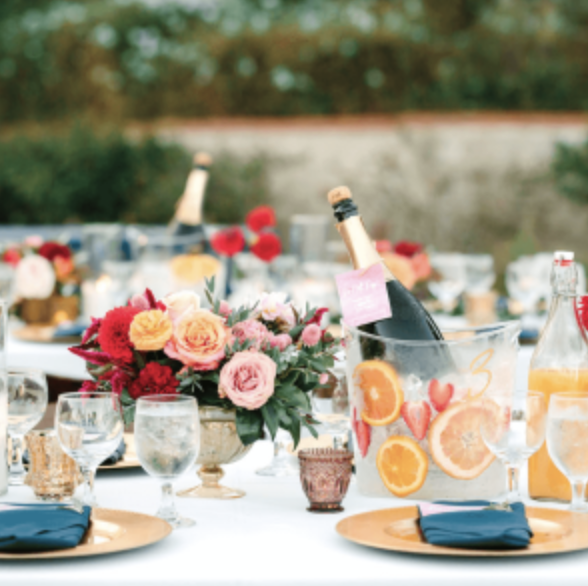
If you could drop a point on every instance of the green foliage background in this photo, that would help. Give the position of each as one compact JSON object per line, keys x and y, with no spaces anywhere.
{"x":84,"y":176}
{"x":124,"y":60}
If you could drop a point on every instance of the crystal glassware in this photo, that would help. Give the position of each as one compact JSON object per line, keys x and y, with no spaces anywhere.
{"x":567,"y":442}
{"x":331,"y":409}
{"x":325,"y":474}
{"x":283,"y":463}
{"x":167,"y":441}
{"x":52,"y":475}
{"x":513,"y":428}
{"x":89,"y":426}
{"x":480,"y":275}
{"x":451,"y":278}
{"x":27,"y":401}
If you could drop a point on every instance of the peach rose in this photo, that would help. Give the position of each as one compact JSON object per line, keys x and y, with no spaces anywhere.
{"x":150,"y":330}
{"x":180,"y":302}
{"x":248,"y":379}
{"x":401,"y":268}
{"x":199,"y":339}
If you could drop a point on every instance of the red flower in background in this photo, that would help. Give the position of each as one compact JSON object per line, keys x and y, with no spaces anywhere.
{"x":113,"y":336}
{"x":383,"y":246}
{"x":154,"y":379}
{"x":229,"y":241}
{"x":51,"y":250}
{"x":261,"y":217}
{"x":317,"y":318}
{"x":267,"y":247}
{"x":11,"y":257}
{"x":407,"y":248}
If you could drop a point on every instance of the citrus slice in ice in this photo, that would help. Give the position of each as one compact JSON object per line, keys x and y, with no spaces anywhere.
{"x":382,"y":394}
{"x":402,"y":464}
{"x":456,"y":443}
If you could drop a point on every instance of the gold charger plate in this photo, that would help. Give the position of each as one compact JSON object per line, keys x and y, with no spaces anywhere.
{"x":110,"y":531}
{"x":397,"y":530}
{"x":43,"y":335}
{"x":129,"y":460}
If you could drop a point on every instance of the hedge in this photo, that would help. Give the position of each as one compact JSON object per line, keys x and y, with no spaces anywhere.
{"x":126,"y":60}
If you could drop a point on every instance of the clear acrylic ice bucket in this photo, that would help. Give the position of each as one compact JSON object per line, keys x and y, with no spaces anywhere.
{"x":481,"y":361}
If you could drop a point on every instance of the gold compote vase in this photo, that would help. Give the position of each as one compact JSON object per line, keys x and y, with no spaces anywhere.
{"x":219,"y":444}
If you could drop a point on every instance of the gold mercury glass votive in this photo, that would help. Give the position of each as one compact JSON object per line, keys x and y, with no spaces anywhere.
{"x":325,"y":474}
{"x":52,"y":475}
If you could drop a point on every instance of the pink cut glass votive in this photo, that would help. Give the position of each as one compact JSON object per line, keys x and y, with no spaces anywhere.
{"x":325,"y":474}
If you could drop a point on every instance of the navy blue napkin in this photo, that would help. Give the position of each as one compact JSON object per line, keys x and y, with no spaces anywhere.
{"x":71,"y":330}
{"x":30,"y":528}
{"x":484,"y":529}
{"x":117,"y":455}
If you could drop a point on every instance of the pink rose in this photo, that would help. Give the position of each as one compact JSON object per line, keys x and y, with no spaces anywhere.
{"x":139,"y":301}
{"x":198,"y":340}
{"x":311,"y":335}
{"x":181,"y":302}
{"x":273,"y":307}
{"x":421,"y":265}
{"x":323,"y":379}
{"x":252,"y":330}
{"x":224,"y":308}
{"x":281,"y":341}
{"x":248,"y":379}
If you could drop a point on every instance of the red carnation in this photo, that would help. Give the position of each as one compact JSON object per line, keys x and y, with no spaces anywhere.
{"x":407,"y":248}
{"x":229,"y":241}
{"x":154,"y":379}
{"x":113,"y":336}
{"x":259,"y":218}
{"x":51,"y":250}
{"x":267,"y":247}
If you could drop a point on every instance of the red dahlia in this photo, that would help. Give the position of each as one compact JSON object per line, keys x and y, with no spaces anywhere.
{"x":228,"y":242}
{"x":51,"y":250}
{"x":154,"y":379}
{"x":259,"y":218}
{"x":267,"y":247}
{"x":113,"y":336}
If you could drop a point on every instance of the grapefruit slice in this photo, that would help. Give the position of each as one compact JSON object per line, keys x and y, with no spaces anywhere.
{"x":382,"y":394}
{"x":456,"y":442}
{"x":402,"y":464}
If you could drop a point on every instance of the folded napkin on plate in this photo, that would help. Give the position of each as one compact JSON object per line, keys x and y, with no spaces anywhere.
{"x":474,"y":527}
{"x":70,"y":330}
{"x":30,"y":528}
{"x":117,"y":455}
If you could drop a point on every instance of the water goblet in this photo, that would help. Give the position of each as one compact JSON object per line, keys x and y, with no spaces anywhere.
{"x":27,"y":401}
{"x":283,"y":463}
{"x":167,"y":442}
{"x":567,"y":442}
{"x":513,"y":428}
{"x":89,"y":427}
{"x":331,"y":409}
{"x":451,"y":278}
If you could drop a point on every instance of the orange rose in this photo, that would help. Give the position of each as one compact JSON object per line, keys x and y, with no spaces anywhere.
{"x":401,"y":268}
{"x":199,"y":339}
{"x":150,"y":330}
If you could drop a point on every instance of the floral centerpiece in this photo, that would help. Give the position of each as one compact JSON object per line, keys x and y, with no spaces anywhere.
{"x":262,"y":359}
{"x":46,"y":282}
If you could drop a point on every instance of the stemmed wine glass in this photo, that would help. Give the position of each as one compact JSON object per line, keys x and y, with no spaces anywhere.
{"x":167,"y":442}
{"x":567,"y":442}
{"x":331,"y":409}
{"x":451,"y":278}
{"x":283,"y":463}
{"x":89,"y":427}
{"x":27,"y":401}
{"x":513,"y":428}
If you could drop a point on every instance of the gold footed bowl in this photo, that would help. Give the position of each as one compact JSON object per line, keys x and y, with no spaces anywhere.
{"x":219,"y":444}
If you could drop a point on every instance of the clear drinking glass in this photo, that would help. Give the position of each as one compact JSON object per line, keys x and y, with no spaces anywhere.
{"x":480,"y":275}
{"x":89,"y":427}
{"x":167,"y":442}
{"x":283,"y":463}
{"x":525,"y":281}
{"x":451,"y":278}
{"x":513,"y":428}
{"x":331,"y":407}
{"x":27,"y":401}
{"x":567,"y":442}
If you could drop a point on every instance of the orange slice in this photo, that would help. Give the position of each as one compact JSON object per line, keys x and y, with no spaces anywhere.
{"x":402,"y":464}
{"x":456,"y":443}
{"x":382,"y":394}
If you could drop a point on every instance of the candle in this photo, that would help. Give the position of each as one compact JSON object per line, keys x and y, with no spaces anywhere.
{"x":97,"y":297}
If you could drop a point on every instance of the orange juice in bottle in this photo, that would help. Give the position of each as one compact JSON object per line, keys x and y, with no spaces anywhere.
{"x":559,"y":364}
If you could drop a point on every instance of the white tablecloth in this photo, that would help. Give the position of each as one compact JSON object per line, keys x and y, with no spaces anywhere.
{"x":269,"y":538}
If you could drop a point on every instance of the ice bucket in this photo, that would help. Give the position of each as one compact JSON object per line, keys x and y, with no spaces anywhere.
{"x":416,"y":408}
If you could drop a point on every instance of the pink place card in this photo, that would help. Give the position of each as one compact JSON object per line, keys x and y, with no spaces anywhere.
{"x":434,"y":509}
{"x":363,"y":296}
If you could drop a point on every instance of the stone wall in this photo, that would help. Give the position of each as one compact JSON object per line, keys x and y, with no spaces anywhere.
{"x":469,"y":182}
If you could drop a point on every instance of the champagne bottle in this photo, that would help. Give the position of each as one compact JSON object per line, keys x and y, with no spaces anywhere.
{"x":409,"y":319}
{"x":188,"y":217}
